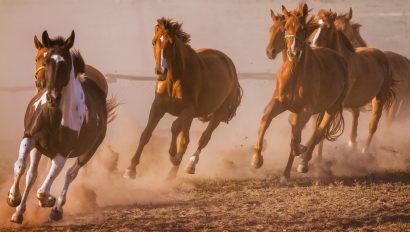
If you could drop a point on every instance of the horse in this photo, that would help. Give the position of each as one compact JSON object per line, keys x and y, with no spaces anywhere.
{"x":370,"y":76}
{"x":200,"y":83}
{"x":91,"y":72}
{"x":66,"y":119}
{"x":310,"y":81}
{"x":399,"y":65}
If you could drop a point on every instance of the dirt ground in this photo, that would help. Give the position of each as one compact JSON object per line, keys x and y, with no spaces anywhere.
{"x":377,"y":202}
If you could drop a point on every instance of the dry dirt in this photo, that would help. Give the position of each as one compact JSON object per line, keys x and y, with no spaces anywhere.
{"x":377,"y":202}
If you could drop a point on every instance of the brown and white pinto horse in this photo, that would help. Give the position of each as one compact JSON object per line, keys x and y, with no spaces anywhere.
{"x":91,"y":72}
{"x":370,"y":76}
{"x":192,"y":84}
{"x":310,"y":81}
{"x":66,"y":119}
{"x":399,"y":65}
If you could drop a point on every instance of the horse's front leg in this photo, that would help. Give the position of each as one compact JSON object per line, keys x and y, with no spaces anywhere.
{"x":43,"y":193}
{"x":30,"y":179}
{"x":182,"y":140}
{"x":273,"y":109}
{"x":297,"y":121}
{"x":14,"y":196}
{"x":353,"y":132}
{"x":156,"y":113}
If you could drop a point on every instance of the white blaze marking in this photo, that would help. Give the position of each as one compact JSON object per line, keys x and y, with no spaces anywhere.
{"x":293,"y":45}
{"x":161,"y":38}
{"x":42,"y":100}
{"x":316,"y":36}
{"x":45,"y":54}
{"x":57,"y":58}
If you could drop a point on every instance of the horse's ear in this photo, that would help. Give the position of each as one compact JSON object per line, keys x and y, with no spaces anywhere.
{"x":46,"y":39}
{"x":305,"y":10}
{"x":37,"y":43}
{"x":273,"y":16}
{"x":349,"y":15}
{"x":69,"y":42}
{"x":285,"y":12}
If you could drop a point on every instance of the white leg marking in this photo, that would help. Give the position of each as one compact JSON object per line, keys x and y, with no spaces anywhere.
{"x":19,"y":167}
{"x":56,"y":165}
{"x":70,"y":176}
{"x":30,"y":180}
{"x":193,"y":160}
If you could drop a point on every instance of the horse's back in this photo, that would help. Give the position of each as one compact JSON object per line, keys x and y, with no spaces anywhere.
{"x":96,"y":76}
{"x":219,"y":79}
{"x":368,"y":70}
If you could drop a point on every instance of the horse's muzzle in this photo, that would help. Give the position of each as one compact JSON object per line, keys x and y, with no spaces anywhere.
{"x":270,"y":53}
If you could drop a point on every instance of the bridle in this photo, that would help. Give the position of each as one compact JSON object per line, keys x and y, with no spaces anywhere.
{"x":38,"y":70}
{"x":293,"y":36}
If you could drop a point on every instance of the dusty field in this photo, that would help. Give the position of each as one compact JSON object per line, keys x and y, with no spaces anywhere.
{"x":378,"y":202}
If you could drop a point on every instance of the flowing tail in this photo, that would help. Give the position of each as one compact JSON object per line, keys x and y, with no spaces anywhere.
{"x":388,"y":87}
{"x":233,"y":101}
{"x":112,"y":104}
{"x":335,"y":127}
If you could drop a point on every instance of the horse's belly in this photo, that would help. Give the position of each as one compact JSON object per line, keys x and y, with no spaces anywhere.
{"x":363,"y":90}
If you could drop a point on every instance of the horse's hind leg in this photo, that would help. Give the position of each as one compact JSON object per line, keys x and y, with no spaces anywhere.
{"x":30,"y":179}
{"x":154,"y":116}
{"x":14,"y":196}
{"x":297,"y":121}
{"x":353,"y":132}
{"x":57,"y":211}
{"x":273,"y":109}
{"x":377,"y":109}
{"x":203,"y":141}
{"x":182,"y":141}
{"x":175,"y":129}
{"x":43,"y":193}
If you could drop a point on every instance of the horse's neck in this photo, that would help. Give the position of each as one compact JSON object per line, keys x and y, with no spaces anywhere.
{"x":72,"y":103}
{"x":339,"y":44}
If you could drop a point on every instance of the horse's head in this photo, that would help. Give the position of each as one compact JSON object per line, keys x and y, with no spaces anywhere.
{"x":276,"y":33}
{"x":342,"y":23}
{"x":324,"y":35}
{"x":296,"y":31}
{"x":40,"y":59}
{"x":58,"y":64}
{"x":161,"y":42}
{"x":168,"y":38}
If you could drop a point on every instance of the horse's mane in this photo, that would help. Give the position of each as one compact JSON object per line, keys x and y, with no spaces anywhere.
{"x":356,"y":31}
{"x":345,"y":41}
{"x":78,"y":61}
{"x":174,"y":29}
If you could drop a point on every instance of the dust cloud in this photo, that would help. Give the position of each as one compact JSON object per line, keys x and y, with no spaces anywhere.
{"x":115,"y":36}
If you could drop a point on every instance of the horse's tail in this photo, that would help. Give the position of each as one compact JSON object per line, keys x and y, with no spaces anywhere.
{"x":389,"y":83}
{"x":335,"y":127}
{"x":111,"y":105}
{"x":233,"y":100}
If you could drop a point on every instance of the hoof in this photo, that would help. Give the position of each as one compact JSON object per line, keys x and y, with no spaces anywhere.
{"x":365,"y":151}
{"x":130,"y":174}
{"x":351,"y":144}
{"x":56,"y":214}
{"x":257,"y":161}
{"x":303,"y":168}
{"x":46,"y":200}
{"x":190,"y":169}
{"x":284,"y":181}
{"x":13,"y":201}
{"x":17,"y":218}
{"x":176,"y":159}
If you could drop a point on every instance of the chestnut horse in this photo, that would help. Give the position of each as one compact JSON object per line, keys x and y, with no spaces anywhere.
{"x":65,"y":119}
{"x":310,"y":81}
{"x":192,"y":84}
{"x":91,"y":72}
{"x":399,"y":65}
{"x":370,"y":76}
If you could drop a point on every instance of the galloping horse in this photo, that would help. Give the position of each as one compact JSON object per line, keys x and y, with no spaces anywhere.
{"x":91,"y":72}
{"x":370,"y":76}
{"x":310,"y":81}
{"x":66,"y":119}
{"x":400,"y":66}
{"x":192,"y":84}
